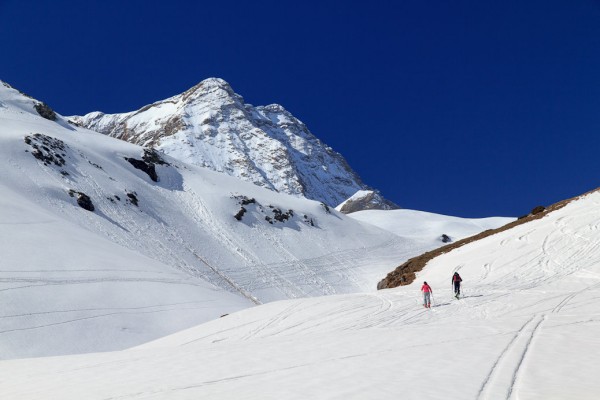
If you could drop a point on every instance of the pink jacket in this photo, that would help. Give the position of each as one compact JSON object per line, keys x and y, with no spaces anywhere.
{"x":426,"y":289}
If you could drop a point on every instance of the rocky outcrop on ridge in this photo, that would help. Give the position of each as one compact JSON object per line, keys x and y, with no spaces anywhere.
{"x":365,"y":200}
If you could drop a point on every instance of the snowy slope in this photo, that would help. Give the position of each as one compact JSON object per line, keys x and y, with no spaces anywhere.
{"x":426,"y":227}
{"x":210,"y":125}
{"x":65,"y":289}
{"x":527,"y":328}
{"x":153,"y":257}
{"x":71,"y":280}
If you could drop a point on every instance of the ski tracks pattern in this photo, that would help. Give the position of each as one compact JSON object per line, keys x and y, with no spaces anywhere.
{"x":501,"y":382}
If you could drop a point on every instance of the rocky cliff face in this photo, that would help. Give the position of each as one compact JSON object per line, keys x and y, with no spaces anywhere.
{"x":211,"y":126}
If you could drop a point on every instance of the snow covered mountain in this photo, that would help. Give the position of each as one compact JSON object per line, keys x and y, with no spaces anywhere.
{"x":106,"y":244}
{"x":211,"y":126}
{"x":527,"y":327}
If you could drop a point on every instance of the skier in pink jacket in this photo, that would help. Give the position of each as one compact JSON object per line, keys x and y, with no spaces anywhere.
{"x":456,"y":280}
{"x":427,"y":291}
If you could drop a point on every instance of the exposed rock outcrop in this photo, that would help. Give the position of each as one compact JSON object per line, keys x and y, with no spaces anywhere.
{"x":365,"y":200}
{"x":148,"y":162}
{"x":83,"y":200}
{"x":45,"y":111}
{"x":47,"y":149}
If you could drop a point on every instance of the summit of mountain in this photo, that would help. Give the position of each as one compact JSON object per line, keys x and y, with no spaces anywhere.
{"x":209,"y":125}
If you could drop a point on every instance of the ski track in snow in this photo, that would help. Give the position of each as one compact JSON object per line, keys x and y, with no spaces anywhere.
{"x":500,"y":382}
{"x":138,"y":311}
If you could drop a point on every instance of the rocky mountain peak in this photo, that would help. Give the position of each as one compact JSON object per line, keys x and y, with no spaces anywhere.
{"x":211,"y":126}
{"x":214,"y":83}
{"x":209,"y":87}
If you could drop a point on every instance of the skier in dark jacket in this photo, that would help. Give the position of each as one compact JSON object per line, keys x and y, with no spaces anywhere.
{"x":456,"y":280}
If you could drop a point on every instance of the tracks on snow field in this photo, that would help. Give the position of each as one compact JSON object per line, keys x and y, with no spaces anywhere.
{"x":501,"y":381}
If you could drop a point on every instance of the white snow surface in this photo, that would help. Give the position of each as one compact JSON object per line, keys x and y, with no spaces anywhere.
{"x":75,"y":281}
{"x":426,"y":227}
{"x":527,"y":327}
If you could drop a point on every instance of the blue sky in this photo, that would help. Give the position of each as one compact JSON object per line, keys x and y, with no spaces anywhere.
{"x":468,"y":108}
